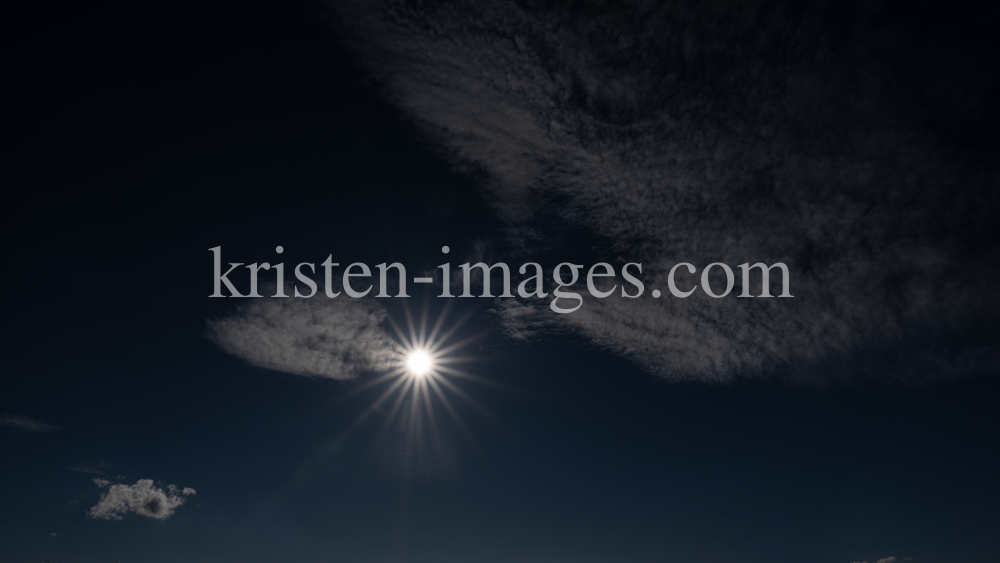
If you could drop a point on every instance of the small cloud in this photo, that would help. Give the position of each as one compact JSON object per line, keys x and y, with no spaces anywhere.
{"x":53,"y":534}
{"x":19,"y":423}
{"x":142,"y":498}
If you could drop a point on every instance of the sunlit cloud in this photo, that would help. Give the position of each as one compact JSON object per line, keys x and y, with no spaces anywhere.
{"x":321,"y":338}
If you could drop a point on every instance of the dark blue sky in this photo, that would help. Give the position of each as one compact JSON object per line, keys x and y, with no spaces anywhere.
{"x":136,"y":138}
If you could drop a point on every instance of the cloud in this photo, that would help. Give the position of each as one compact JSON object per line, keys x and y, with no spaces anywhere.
{"x":889,"y":559}
{"x":98,"y":468}
{"x":24,"y":424}
{"x":317,"y":337}
{"x":142,"y":498}
{"x":747,"y":132}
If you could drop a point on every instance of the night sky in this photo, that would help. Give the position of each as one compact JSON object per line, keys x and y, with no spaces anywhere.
{"x":856,"y":142}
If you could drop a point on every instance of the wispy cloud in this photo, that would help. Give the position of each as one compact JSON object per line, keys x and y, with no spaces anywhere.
{"x":754,"y":135}
{"x":142,"y":498}
{"x":24,"y":424}
{"x":319,"y":337}
{"x":98,"y":468}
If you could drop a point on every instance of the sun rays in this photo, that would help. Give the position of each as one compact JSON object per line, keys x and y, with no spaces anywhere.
{"x":421,"y":387}
{"x":417,"y":395}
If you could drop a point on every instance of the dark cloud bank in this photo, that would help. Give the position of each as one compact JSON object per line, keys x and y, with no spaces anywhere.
{"x":853,"y":141}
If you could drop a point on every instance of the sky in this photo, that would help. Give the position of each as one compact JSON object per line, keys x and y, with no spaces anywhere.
{"x":143,"y":421}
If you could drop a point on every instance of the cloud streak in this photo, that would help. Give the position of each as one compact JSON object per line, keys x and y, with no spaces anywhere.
{"x":24,"y":424}
{"x":890,"y":559}
{"x":749,"y":132}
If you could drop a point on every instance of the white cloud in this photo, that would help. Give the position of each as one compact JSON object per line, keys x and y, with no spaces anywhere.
{"x":141,"y":498}
{"x":318,"y":337}
{"x":24,"y":424}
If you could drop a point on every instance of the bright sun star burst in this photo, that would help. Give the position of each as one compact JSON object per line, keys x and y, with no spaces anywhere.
{"x":419,"y":362}
{"x":423,"y":383}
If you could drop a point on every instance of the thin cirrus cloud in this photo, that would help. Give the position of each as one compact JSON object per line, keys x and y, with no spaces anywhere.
{"x":756,"y":134}
{"x":143,"y":498}
{"x":19,"y":423}
{"x":94,"y":468}
{"x":319,"y":337}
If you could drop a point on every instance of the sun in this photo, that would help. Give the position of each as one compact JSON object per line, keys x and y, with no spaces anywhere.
{"x":423,"y":381}
{"x":419,"y":363}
